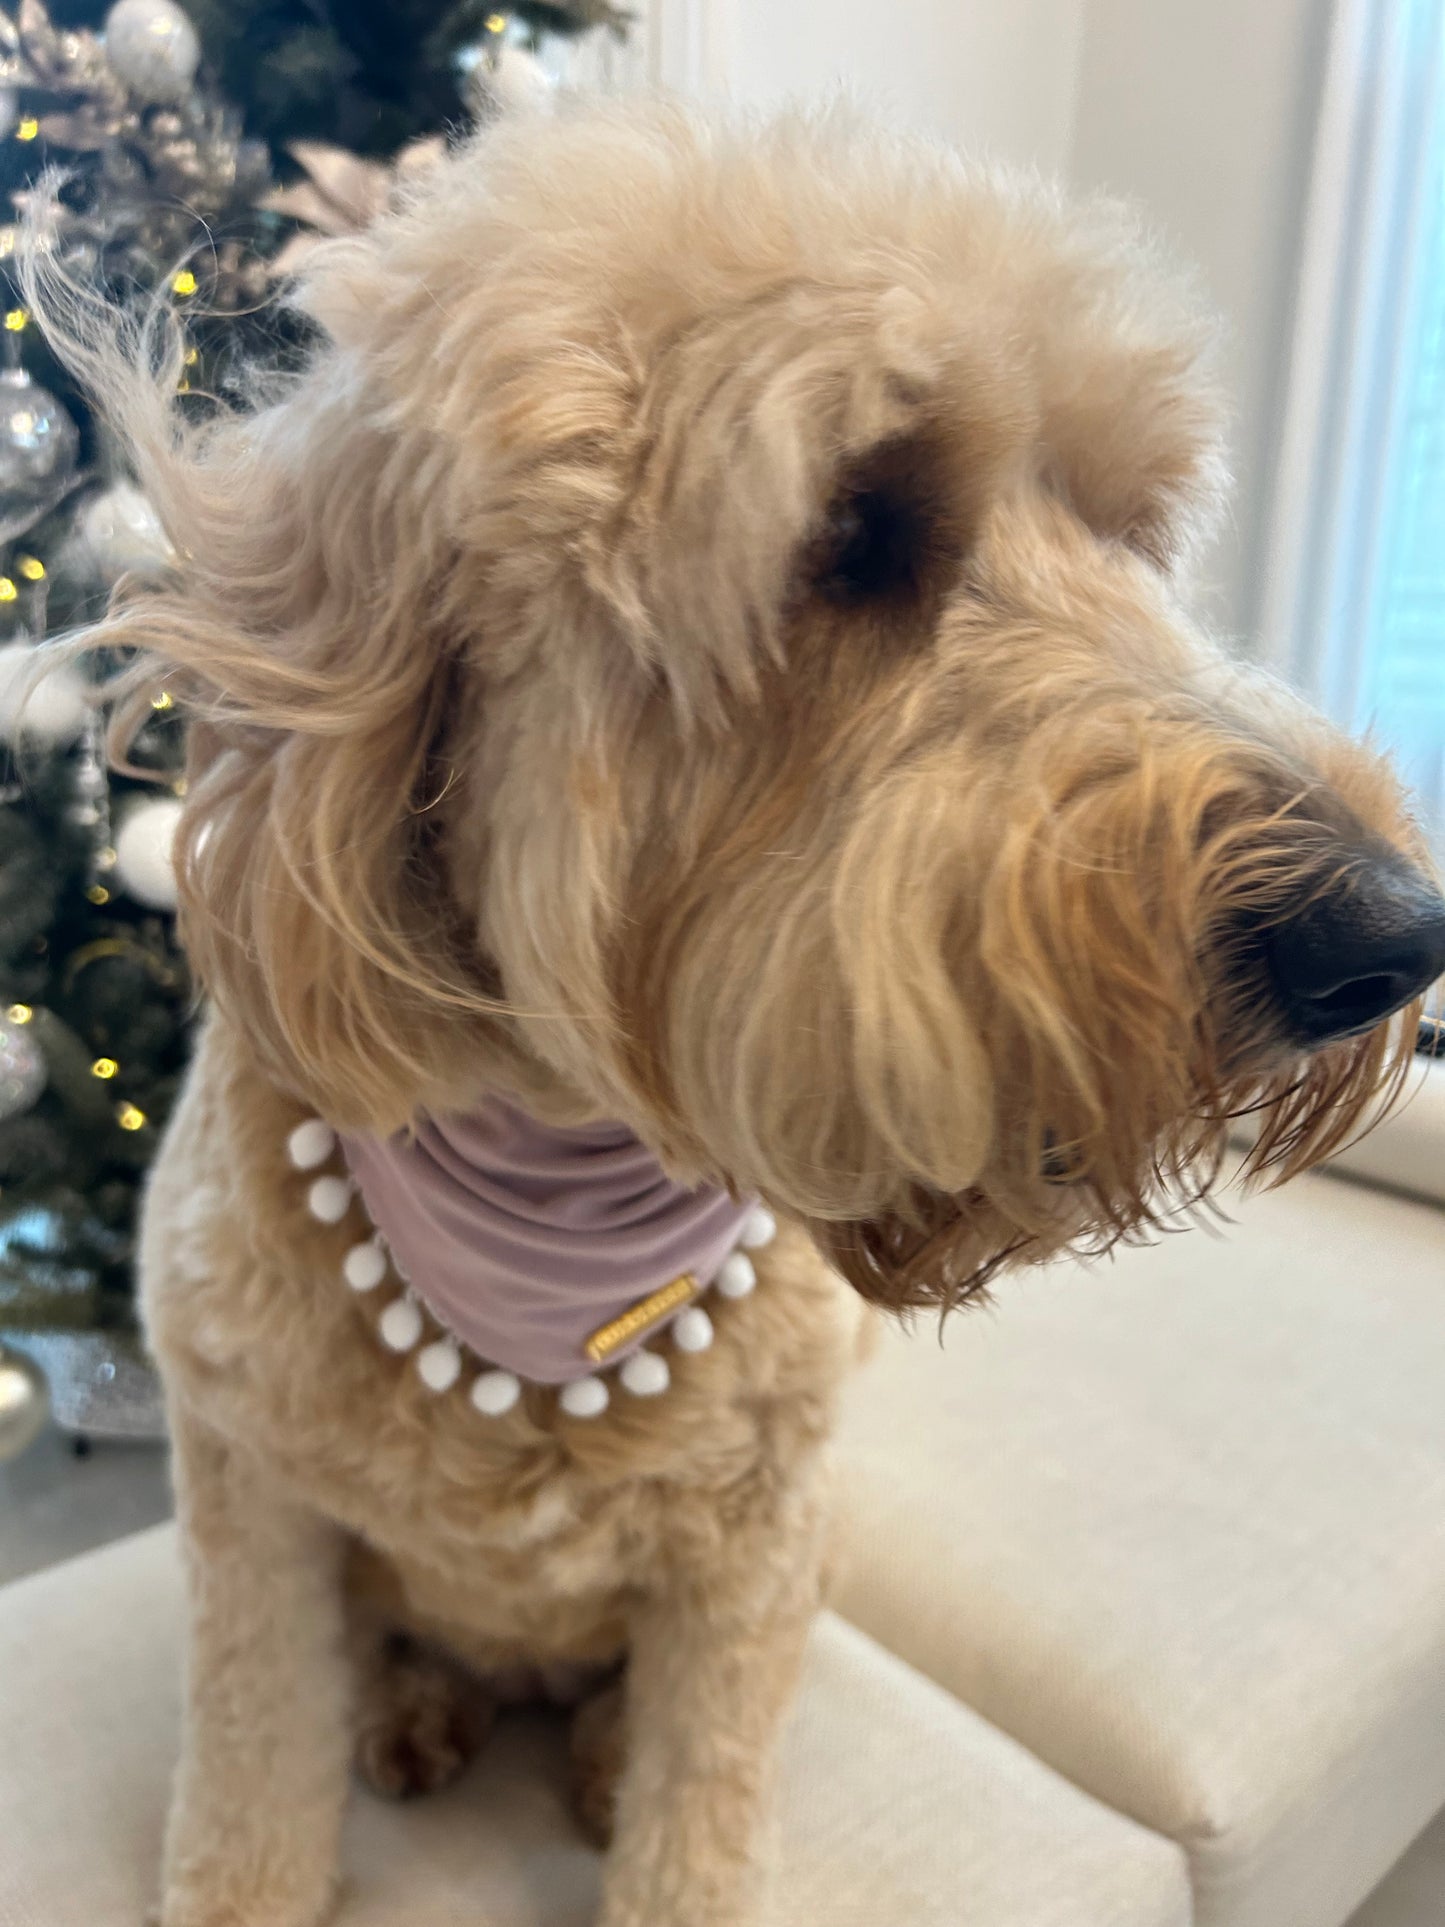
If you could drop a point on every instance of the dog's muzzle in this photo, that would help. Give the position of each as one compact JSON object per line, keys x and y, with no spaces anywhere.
{"x":1358,"y":952}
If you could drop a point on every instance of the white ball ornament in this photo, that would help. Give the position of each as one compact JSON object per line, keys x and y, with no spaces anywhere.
{"x":760,"y":1228}
{"x":22,"y":1068}
{"x":310,"y":1144}
{"x":440,"y":1365}
{"x":329,"y":1199}
{"x":118,"y":530}
{"x":495,"y":1393}
{"x":38,"y":704}
{"x":144,"y":852}
{"x":152,"y":48}
{"x":645,"y":1375}
{"x":585,"y":1398}
{"x":692,"y":1330}
{"x":513,"y":82}
{"x":736,"y":1277}
{"x":401,"y":1325}
{"x":364,"y":1266}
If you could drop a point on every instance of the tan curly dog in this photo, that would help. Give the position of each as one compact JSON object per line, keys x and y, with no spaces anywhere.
{"x":699,"y":645}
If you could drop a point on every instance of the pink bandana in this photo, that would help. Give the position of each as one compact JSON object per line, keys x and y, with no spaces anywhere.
{"x":524,"y":1239}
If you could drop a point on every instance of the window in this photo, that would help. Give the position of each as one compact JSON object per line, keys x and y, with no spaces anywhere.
{"x":1354,"y":604}
{"x":1402,"y":682}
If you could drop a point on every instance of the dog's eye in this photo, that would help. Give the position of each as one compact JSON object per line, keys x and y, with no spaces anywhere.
{"x":871,"y":546}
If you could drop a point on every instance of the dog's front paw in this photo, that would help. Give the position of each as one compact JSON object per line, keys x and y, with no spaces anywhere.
{"x":420,"y":1723}
{"x":597,"y":1762}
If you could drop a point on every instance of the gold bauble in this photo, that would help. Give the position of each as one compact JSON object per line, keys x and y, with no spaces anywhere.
{"x":24,"y":1403}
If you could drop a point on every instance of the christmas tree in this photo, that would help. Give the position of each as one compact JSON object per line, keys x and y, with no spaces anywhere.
{"x":201,"y":153}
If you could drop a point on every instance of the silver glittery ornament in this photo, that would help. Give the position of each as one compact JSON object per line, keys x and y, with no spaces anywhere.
{"x":153,"y":48}
{"x":22,"y":1069}
{"x":38,"y":446}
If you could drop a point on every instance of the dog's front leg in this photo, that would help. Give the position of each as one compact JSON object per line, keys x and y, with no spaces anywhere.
{"x":256,"y":1815}
{"x":714,"y":1663}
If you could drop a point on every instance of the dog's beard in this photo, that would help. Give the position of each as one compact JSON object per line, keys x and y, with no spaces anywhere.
{"x":943,"y":1250}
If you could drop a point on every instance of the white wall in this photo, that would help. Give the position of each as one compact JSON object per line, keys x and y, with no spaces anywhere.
{"x":994,"y":76}
{"x":1205,"y":114}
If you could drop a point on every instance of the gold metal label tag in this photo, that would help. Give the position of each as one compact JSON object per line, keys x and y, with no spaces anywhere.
{"x":646,"y":1313}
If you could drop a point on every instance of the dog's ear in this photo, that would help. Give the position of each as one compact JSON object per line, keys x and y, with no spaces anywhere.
{"x":1135,"y":448}
{"x":1133,"y":413}
{"x":310,"y":628}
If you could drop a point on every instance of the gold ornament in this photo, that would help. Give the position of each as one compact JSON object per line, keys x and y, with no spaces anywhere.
{"x":342,"y":193}
{"x":24,"y":1403}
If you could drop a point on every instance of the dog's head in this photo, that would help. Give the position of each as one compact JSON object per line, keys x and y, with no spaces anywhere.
{"x":702,"y":643}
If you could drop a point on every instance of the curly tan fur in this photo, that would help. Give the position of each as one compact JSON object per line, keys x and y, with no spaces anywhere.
{"x":553,"y":738}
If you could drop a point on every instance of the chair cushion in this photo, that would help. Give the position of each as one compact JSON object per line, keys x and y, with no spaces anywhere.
{"x":1178,"y":1524}
{"x":899,"y":1805}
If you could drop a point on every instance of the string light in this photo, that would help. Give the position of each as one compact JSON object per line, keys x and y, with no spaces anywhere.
{"x":97,"y":893}
{"x":496,"y":23}
{"x":31,"y":567}
{"x":193,"y":355}
{"x":20,"y":1013}
{"x":7,"y":241}
{"x":28,"y":128}
{"x":165,"y":700}
{"x":8,"y":590}
{"x":16,"y":319}
{"x":184,"y":282}
{"x":105,"y":1068}
{"x":105,"y":859}
{"x":129,"y":1117}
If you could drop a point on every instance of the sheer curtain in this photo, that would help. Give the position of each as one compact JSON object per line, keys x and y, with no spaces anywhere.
{"x":1354,"y":601}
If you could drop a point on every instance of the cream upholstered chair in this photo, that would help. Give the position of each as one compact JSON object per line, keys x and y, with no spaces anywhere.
{"x":1178,"y":1525}
{"x":899,"y":1805}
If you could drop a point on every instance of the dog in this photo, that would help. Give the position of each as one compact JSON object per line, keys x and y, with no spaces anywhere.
{"x":695,"y":670}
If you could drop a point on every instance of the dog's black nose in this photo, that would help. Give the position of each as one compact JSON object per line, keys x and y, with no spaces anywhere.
{"x":1359,"y":951}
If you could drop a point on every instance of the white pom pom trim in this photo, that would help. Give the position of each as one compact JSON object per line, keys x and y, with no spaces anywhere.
{"x":760,"y":1228}
{"x":329,"y":1199}
{"x":495,"y":1393}
{"x":364,"y":1266}
{"x":646,"y":1375}
{"x":440,"y":1365}
{"x":585,"y":1398}
{"x":310,"y":1144}
{"x":401,"y":1325}
{"x":736,"y":1277}
{"x":692,"y":1330}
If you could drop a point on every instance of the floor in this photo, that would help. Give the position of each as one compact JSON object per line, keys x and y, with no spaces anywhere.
{"x":55,"y":1504}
